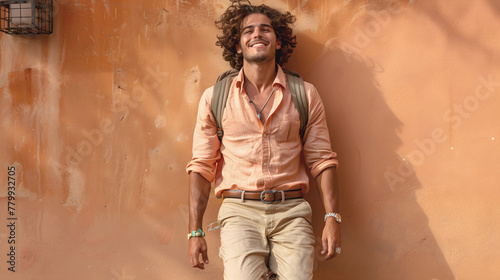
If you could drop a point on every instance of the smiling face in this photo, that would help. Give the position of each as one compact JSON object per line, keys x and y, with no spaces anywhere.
{"x":258,"y":41}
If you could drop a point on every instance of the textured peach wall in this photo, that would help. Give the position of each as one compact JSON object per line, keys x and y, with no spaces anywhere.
{"x":97,"y":119}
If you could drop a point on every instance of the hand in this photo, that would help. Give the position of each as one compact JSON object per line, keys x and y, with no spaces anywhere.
{"x":330,"y":239}
{"x":197,"y":246}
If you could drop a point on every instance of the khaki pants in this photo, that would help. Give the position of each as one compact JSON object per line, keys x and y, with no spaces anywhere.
{"x":255,"y":235}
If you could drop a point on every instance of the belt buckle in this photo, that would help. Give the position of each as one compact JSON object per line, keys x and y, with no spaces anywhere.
{"x":263,"y":196}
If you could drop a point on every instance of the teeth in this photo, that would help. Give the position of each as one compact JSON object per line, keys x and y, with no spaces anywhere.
{"x":258,"y":44}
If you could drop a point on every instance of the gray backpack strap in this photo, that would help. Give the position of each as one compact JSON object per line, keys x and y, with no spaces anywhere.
{"x":219,"y":99}
{"x":299,"y":98}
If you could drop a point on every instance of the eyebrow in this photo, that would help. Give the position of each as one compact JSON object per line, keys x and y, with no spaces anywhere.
{"x":252,"y":26}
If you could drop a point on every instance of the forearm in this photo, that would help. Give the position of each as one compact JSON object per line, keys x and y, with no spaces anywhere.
{"x":199,"y":192}
{"x":327,"y":185}
{"x":328,"y":189}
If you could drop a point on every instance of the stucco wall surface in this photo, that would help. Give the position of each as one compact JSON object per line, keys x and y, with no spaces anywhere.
{"x":97,"y":120}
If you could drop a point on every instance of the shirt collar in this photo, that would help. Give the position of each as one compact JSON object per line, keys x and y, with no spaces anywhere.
{"x":280,"y":79}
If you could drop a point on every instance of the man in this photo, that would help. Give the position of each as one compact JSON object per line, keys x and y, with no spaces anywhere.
{"x":257,"y":166}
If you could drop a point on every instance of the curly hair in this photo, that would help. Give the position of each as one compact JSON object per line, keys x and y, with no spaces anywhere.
{"x":231,"y":23}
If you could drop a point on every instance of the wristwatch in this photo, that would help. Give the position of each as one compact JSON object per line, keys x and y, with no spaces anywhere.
{"x":336,"y":216}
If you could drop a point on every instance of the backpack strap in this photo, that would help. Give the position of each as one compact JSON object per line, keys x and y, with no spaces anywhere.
{"x":299,"y":98}
{"x":219,"y":99}
{"x":223,"y":85}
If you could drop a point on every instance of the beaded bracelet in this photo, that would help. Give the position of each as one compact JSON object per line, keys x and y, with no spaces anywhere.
{"x":196,"y":233}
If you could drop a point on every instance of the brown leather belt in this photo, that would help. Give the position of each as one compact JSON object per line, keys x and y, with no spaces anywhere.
{"x":269,"y":196}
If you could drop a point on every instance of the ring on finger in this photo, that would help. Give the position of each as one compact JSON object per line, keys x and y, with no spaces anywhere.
{"x":338,"y":250}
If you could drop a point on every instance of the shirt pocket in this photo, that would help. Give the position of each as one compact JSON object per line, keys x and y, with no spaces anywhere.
{"x":288,"y":131}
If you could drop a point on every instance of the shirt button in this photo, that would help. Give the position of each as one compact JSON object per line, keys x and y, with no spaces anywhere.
{"x":266,"y":164}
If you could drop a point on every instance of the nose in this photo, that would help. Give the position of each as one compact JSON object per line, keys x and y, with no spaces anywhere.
{"x":257,"y":33}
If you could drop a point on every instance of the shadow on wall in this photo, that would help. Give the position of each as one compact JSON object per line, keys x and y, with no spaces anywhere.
{"x":385,"y":232}
{"x":450,"y":25}
{"x":495,"y":5}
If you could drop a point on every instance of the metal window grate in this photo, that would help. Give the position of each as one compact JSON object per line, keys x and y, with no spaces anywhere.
{"x":26,"y":17}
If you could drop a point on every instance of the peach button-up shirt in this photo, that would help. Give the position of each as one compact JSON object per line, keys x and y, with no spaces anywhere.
{"x":253,"y":156}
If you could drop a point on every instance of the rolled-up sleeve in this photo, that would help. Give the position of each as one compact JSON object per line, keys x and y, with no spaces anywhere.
{"x":206,"y":144}
{"x":318,"y":152}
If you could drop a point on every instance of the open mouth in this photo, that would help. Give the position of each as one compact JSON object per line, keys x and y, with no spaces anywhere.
{"x":258,"y":44}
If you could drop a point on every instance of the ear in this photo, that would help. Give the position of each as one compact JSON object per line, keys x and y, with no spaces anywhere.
{"x":278,"y":44}
{"x":238,"y":48}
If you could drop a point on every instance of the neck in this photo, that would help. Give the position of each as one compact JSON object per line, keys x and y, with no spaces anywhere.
{"x":261,"y":76}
